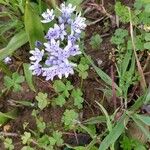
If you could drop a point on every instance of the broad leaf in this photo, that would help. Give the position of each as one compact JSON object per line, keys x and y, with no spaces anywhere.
{"x":16,"y":42}
{"x":4,"y":117}
{"x":33,"y":25}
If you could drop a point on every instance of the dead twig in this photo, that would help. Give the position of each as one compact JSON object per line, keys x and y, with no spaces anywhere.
{"x":96,"y":21}
{"x":113,"y":88}
{"x":142,"y":81}
{"x":9,"y":134}
{"x":102,"y":10}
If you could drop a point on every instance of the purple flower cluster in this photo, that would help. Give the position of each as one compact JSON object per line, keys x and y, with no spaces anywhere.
{"x":62,"y":43}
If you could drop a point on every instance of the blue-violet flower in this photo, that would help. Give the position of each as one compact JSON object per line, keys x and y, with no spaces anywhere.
{"x":62,"y":44}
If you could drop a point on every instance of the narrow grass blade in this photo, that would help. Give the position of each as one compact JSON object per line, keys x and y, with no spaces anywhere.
{"x":143,"y":118}
{"x":114,"y":134}
{"x":147,"y":97}
{"x":95,"y":120}
{"x":138,"y":103}
{"x":87,"y":130}
{"x":28,"y":76}
{"x":143,"y":129}
{"x":108,"y":121}
{"x":125,"y":62}
{"x":102,"y":74}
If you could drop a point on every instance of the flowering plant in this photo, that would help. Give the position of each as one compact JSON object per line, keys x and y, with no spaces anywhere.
{"x":62,"y":43}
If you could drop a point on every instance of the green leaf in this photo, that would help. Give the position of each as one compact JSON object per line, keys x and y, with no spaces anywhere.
{"x":75,"y":3}
{"x":83,"y":67}
{"x":95,"y":120}
{"x":4,"y":117}
{"x":147,"y":97}
{"x":138,"y":103}
{"x":52,"y":141}
{"x":114,"y":134}
{"x":96,"y":41}
{"x":16,"y":42}
{"x":119,"y":36}
{"x":147,"y":45}
{"x":77,"y":95}
{"x":147,"y":36}
{"x":41,"y":125}
{"x":62,"y":88}
{"x":58,"y":137}
{"x":108,"y":120}
{"x":126,"y":143}
{"x":102,"y":74}
{"x":122,"y":12}
{"x":26,"y":137}
{"x":125,"y":62}
{"x":147,"y":8}
{"x":33,"y":25}
{"x":8,"y":82}
{"x":145,"y":119}
{"x":27,"y":148}
{"x":44,"y":140}
{"x":69,"y":117}
{"x":5,"y":68}
{"x":60,"y":100}
{"x":42,"y":100}
{"x":140,"y":125}
{"x":83,"y":75}
{"x":8,"y":144}
{"x":59,"y":86}
{"x":28,"y":76}
{"x":17,"y":78}
{"x":14,"y":81}
{"x":88,"y":130}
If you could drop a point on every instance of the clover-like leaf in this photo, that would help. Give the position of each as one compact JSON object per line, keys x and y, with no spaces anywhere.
{"x":8,"y":144}
{"x":42,"y":100}
{"x":60,"y":87}
{"x":58,"y":137}
{"x":77,"y":95}
{"x":96,"y":41}
{"x":26,"y":137}
{"x":69,"y":118}
{"x":14,"y":82}
{"x":60,"y":100}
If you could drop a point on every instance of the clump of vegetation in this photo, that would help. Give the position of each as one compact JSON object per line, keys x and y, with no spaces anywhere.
{"x":48,"y":72}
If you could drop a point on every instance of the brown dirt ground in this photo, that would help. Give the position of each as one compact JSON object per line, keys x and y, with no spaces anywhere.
{"x":90,"y":85}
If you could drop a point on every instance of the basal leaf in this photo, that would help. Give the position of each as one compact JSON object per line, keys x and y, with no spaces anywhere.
{"x":16,"y":42}
{"x":33,"y":25}
{"x":28,"y":76}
